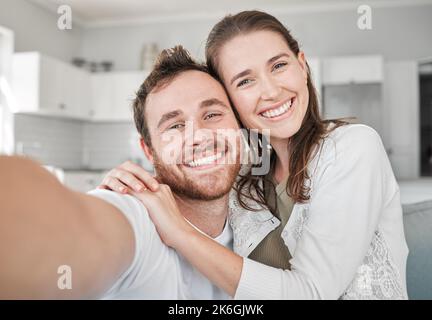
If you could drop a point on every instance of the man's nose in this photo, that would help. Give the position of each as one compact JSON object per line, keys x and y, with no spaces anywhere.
{"x":197,"y":133}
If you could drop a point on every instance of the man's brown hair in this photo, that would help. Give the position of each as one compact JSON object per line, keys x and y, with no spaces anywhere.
{"x":169,"y":64}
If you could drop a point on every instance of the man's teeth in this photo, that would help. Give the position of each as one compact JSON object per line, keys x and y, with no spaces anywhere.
{"x":206,"y":160}
{"x":277,"y":112}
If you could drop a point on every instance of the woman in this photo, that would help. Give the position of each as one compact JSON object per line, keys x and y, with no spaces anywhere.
{"x":341,"y":232}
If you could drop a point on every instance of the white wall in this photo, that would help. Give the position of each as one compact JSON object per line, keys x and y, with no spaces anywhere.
{"x":74,"y":144}
{"x":398,"y":33}
{"x":6,"y":123}
{"x":123,"y":45}
{"x":36,"y":29}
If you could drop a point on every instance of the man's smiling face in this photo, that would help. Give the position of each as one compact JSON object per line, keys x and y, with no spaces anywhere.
{"x":194,"y":136}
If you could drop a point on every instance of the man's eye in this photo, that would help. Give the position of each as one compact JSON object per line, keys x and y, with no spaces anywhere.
{"x":279,"y":65}
{"x":176,"y":126}
{"x":211,"y":115}
{"x":244,"y":82}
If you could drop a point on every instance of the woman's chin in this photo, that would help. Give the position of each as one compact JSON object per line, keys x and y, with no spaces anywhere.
{"x":277,"y":130}
{"x":281,"y":134}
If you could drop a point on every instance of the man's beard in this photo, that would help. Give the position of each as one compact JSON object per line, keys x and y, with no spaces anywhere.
{"x":217,"y":184}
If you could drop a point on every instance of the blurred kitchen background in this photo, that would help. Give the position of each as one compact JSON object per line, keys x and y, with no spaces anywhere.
{"x":66,"y":86}
{"x":66,"y":94}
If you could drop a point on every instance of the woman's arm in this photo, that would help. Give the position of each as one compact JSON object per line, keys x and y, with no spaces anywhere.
{"x":220,"y":265}
{"x":200,"y":250}
{"x":352,"y":184}
{"x":343,"y":218}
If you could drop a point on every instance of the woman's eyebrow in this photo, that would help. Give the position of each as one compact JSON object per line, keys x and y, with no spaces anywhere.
{"x":273,"y":59}
{"x":241,"y":74}
{"x":248,"y":71}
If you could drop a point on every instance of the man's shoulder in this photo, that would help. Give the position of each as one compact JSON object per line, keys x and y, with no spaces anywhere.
{"x":131,"y":207}
{"x":148,"y":248}
{"x":124,"y":202}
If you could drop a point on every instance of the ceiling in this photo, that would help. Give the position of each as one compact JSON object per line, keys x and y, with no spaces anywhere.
{"x":93,"y":13}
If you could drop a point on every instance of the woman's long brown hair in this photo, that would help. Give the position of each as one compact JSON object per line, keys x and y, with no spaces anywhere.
{"x":304,"y":143}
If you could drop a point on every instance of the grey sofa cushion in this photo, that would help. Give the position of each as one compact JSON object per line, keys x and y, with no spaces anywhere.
{"x":418,"y":233}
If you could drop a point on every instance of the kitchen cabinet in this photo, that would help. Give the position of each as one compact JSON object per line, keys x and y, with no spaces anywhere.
{"x":401,"y":117}
{"x":44,"y":85}
{"x":6,"y":116}
{"x":47,"y":86}
{"x":113,"y":94}
{"x":82,"y":181}
{"x":363,"y":101}
{"x":352,"y":69}
{"x":101,"y":97}
{"x":315,"y":70}
{"x":76,"y":90}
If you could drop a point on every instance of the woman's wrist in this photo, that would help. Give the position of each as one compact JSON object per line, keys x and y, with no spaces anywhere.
{"x":205,"y":254}
{"x":185,"y":237}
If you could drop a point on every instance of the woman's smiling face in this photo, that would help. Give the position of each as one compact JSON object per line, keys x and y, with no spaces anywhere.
{"x":266,"y":82}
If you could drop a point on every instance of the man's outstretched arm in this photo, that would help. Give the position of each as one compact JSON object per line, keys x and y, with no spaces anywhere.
{"x":44,"y":225}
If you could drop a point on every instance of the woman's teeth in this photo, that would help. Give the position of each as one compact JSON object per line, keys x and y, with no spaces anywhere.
{"x":206,"y":160}
{"x":279,"y":111}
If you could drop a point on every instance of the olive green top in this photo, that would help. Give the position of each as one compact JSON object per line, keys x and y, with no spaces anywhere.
{"x":272,"y":250}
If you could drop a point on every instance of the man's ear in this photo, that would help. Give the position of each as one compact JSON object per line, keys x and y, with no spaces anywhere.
{"x":147,"y":150}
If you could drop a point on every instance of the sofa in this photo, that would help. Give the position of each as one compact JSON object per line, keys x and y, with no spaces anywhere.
{"x":418,"y":233}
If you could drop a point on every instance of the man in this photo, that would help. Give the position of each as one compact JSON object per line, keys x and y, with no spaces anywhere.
{"x":106,"y":240}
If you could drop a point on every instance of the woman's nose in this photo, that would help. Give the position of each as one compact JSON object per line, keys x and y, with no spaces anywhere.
{"x":270,"y":89}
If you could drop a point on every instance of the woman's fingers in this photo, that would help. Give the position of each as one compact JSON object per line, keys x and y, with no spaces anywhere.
{"x":128,"y":179}
{"x":113,"y":184}
{"x":144,"y":176}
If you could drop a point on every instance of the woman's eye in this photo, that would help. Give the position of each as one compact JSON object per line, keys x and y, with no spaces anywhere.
{"x":211,"y":115}
{"x":243,"y":82}
{"x":279,"y":65}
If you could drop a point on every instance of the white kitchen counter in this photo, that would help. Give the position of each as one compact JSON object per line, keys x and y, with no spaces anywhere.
{"x":415,"y":191}
{"x":83,"y":180}
{"x":412,"y":191}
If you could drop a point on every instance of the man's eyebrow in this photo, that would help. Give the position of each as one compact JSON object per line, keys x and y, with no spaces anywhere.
{"x":169,"y":115}
{"x":247,"y":71}
{"x":212,"y":102}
